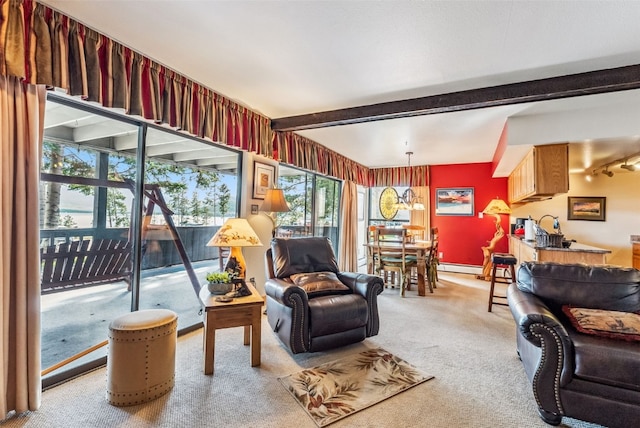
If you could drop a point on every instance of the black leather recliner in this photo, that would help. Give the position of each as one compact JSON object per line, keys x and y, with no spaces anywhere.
{"x":312,"y":306}
{"x":594,"y":378}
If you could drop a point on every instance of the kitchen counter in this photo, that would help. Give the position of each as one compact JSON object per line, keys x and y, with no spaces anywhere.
{"x":575,"y":246}
{"x":576,"y":253}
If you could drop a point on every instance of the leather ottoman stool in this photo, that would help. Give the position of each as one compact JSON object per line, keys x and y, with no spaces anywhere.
{"x":141,"y":357}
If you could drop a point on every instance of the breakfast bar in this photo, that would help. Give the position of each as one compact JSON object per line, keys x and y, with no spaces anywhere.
{"x":525,"y":251}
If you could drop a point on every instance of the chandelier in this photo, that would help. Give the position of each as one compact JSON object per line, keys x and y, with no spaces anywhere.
{"x":409,"y":201}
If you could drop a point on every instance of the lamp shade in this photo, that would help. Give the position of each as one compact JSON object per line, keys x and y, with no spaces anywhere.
{"x":235,"y":232}
{"x":274,"y":202}
{"x":497,"y":206}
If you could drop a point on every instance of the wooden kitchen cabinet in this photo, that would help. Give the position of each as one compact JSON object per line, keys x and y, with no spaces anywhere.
{"x":636,"y":255}
{"x":543,"y":173}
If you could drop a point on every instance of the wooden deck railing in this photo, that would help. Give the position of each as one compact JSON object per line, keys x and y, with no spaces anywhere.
{"x":84,"y":263}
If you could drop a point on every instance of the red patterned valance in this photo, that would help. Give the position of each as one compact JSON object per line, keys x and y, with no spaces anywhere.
{"x":300,"y":151}
{"x":43,"y":46}
{"x":406,"y":176}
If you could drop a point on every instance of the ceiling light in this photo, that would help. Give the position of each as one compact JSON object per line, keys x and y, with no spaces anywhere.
{"x":631,"y":167}
{"x":409,"y":200}
{"x":607,"y":172}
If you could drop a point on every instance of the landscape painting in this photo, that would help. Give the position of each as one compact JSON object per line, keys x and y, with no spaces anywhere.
{"x":586,"y":208}
{"x":454,"y":201}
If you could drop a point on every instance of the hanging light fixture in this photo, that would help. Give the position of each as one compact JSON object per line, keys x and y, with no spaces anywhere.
{"x":628,"y":167}
{"x":409,"y":200}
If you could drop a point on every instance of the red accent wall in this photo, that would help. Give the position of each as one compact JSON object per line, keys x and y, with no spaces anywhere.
{"x":462,"y":236}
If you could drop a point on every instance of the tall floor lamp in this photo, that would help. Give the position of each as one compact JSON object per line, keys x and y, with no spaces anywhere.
{"x":496,"y":207}
{"x":274,"y":202}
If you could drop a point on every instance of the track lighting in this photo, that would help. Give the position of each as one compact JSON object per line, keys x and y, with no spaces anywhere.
{"x":607,"y":172}
{"x":628,"y":167}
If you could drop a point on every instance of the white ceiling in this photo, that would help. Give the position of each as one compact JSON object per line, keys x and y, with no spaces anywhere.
{"x":285,"y":58}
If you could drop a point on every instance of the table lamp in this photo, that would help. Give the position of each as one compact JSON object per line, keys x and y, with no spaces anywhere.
{"x":496,"y":207}
{"x":274,"y":202}
{"x":235,"y":233}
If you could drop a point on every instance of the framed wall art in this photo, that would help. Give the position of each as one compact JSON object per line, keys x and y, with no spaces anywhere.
{"x":454,"y":201}
{"x":586,"y":208}
{"x":263,"y":175}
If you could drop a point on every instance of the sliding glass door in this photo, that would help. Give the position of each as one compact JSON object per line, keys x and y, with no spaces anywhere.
{"x":126,"y":211}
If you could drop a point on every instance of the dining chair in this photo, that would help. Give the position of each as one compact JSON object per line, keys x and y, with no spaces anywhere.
{"x":432,"y":260}
{"x":394,"y":258}
{"x":413,"y":231}
{"x":372,"y":253}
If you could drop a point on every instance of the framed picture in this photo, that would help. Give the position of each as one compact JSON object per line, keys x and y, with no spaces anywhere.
{"x":587,"y":208}
{"x":262,"y":179}
{"x":254,"y":209}
{"x":454,"y":201}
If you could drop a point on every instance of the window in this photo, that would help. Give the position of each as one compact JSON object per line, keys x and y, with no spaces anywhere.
{"x":92,"y":186}
{"x":314,"y":201}
{"x":376,"y":217}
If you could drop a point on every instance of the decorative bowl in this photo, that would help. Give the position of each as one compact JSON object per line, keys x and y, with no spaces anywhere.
{"x":220,"y":287}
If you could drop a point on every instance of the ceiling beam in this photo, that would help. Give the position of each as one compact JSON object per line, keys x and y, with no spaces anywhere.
{"x":572,"y":85}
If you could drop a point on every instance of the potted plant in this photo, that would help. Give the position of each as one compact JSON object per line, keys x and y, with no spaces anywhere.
{"x":220,"y":282}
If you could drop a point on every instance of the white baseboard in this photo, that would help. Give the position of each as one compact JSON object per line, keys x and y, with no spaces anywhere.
{"x":451,"y":267}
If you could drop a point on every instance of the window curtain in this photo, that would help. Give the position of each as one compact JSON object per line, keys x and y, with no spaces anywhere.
{"x":43,"y":46}
{"x":297,"y":150}
{"x":405,"y":176}
{"x":348,"y":252}
{"x":21,"y":129}
{"x":421,"y":217}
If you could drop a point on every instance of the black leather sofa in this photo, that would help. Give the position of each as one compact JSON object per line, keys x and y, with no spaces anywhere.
{"x":592,"y":377}
{"x":312,"y":306}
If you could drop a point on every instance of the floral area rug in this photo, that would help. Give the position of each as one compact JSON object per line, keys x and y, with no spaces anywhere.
{"x":340,"y":388}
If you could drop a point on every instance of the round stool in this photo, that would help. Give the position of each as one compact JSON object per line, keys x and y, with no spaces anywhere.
{"x":141,"y":357}
{"x":502,"y":260}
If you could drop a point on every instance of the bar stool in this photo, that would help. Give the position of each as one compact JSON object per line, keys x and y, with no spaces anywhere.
{"x":501,"y":260}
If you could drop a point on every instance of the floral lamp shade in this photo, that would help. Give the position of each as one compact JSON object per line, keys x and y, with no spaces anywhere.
{"x":235,"y":233}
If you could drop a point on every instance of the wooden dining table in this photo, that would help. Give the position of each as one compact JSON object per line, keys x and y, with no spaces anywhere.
{"x":418,"y":248}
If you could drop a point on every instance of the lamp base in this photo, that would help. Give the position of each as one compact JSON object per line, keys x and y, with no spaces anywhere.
{"x":489,"y":249}
{"x":236,"y":263}
{"x":240,"y":289}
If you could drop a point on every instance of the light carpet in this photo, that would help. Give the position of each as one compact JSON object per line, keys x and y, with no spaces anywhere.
{"x":335,"y":390}
{"x":479,"y":383}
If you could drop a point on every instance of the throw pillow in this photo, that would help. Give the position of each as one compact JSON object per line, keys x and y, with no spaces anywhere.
{"x":319,"y":283}
{"x":612,"y":324}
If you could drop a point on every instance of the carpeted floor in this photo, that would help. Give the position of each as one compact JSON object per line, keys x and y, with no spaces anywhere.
{"x":479,"y":381}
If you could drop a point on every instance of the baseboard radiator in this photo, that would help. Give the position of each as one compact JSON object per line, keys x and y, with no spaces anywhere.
{"x":458,"y":268}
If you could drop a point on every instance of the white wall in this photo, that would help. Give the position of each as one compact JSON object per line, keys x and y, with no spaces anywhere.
{"x":254,"y":256}
{"x":622,"y":213}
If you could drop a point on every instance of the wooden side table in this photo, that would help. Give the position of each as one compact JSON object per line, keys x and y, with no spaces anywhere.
{"x":242,"y":311}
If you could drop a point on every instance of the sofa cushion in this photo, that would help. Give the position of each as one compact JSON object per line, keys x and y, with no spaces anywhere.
{"x":606,"y":361}
{"x":612,"y":324}
{"x":335,"y":314}
{"x":612,"y":288}
{"x":319,"y":283}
